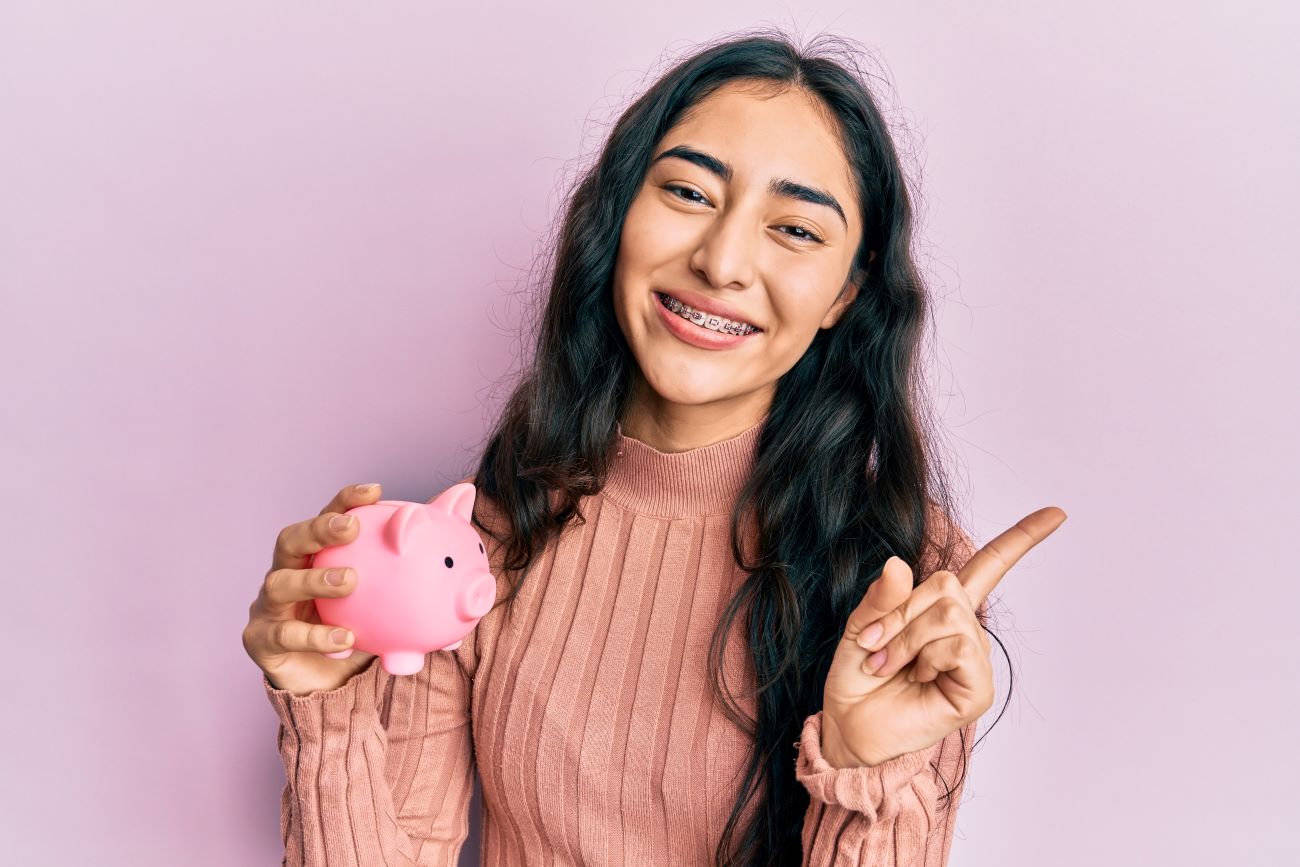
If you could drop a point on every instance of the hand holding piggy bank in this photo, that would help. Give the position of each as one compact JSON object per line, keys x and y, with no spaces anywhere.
{"x":423,"y":581}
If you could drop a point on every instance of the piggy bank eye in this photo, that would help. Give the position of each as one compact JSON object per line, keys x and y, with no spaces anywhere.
{"x":447,"y":560}
{"x":480,"y":548}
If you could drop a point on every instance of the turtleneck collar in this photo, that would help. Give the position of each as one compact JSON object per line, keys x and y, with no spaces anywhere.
{"x":701,"y":481}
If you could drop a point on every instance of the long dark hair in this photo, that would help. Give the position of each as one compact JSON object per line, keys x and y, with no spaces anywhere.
{"x":846,"y":472}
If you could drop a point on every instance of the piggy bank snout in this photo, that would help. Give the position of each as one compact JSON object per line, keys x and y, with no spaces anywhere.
{"x":476,"y":597}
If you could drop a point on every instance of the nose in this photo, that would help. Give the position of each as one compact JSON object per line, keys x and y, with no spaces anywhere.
{"x":726,"y":255}
{"x":476,"y":597}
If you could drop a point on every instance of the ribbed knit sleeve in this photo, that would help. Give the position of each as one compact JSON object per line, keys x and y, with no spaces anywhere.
{"x":890,"y":815}
{"x":379,"y":770}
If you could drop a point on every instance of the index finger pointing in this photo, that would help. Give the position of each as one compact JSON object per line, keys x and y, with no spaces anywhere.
{"x":986,"y":566}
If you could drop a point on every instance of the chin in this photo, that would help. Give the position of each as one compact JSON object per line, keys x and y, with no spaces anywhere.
{"x":682,"y":380}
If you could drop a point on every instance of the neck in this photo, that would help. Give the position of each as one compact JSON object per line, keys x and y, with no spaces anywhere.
{"x":691,"y":482}
{"x":672,"y":427}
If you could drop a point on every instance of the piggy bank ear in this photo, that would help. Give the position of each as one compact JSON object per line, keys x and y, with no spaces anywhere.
{"x":457,"y":500}
{"x":400,"y":527}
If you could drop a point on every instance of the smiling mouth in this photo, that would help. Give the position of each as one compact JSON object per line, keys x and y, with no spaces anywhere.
{"x":708,"y":321}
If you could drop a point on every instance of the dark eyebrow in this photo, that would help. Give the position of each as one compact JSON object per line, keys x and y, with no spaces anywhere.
{"x":783,"y":187}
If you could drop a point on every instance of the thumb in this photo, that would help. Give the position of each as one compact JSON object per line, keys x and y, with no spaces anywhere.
{"x":887,"y":592}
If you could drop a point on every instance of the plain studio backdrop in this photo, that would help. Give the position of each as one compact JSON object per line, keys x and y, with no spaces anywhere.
{"x":253,"y":252}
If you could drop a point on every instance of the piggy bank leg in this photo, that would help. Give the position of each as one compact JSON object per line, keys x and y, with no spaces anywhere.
{"x":453,"y":646}
{"x":342,"y":654}
{"x":402,"y":662}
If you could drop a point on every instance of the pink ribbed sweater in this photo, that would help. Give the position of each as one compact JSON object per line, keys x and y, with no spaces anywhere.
{"x":588,"y":712}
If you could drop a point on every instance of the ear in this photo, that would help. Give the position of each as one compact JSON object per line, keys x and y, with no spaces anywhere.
{"x":847,"y":295}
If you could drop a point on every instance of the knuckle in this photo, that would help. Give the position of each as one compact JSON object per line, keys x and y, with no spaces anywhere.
{"x":316,"y":636}
{"x":271,"y":584}
{"x":938,"y":581}
{"x":954,"y":589}
{"x":937,"y":653}
{"x":282,"y":540}
{"x":950,"y":612}
{"x":280,"y":635}
{"x":901,"y":647}
{"x":948,"y":654}
{"x":920,"y":660}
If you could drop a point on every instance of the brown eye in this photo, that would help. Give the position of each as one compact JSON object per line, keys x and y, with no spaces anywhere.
{"x":675,"y":189}
{"x":447,"y":561}
{"x":807,"y":236}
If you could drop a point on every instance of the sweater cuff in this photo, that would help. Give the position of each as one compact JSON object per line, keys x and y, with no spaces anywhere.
{"x":323,"y":713}
{"x":874,"y":791}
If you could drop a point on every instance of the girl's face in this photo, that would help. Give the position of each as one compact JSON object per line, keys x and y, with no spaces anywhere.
{"x":748,"y":205}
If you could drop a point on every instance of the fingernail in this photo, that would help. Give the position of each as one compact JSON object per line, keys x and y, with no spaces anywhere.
{"x":365,"y":489}
{"x":340,"y":636}
{"x":871,"y":635}
{"x":335,"y":577}
{"x":339,"y":523}
{"x":877,"y":659}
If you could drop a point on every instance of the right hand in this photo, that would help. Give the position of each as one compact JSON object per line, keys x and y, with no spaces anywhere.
{"x":284,"y":635}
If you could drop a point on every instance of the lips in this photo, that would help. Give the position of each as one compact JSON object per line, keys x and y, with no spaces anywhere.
{"x":707,"y":305}
{"x":695,"y":332}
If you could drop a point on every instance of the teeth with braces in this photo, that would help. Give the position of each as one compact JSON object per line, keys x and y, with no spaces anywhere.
{"x":710,"y":321}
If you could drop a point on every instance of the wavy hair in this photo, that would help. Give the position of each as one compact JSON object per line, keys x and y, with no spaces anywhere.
{"x":846,"y":472}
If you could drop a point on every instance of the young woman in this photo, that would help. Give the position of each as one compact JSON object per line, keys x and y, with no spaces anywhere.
{"x":737,"y":622}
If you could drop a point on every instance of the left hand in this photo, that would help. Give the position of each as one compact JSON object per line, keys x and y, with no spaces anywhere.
{"x":936,"y":676}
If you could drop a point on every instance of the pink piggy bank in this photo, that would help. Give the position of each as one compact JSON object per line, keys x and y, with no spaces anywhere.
{"x":422,"y":579}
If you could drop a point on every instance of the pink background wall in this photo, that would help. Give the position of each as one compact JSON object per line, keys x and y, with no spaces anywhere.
{"x":252,"y":252}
